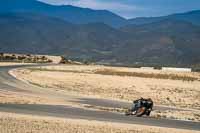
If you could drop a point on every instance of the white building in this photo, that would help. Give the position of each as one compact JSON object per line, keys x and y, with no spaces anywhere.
{"x":147,"y":68}
{"x":177,"y":69}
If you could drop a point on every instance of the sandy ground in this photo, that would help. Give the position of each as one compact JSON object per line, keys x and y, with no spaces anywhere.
{"x":193,"y":115}
{"x":19,"y":98}
{"x":9,"y":97}
{"x":83,"y":80}
{"x":93,"y":68}
{"x":15,"y":123}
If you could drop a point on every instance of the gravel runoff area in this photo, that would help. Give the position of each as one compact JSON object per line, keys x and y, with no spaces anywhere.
{"x":15,"y":123}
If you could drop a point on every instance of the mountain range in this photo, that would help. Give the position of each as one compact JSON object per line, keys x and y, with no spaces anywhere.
{"x":69,"y":13}
{"x":30,"y":26}
{"x":192,"y":17}
{"x":79,"y":15}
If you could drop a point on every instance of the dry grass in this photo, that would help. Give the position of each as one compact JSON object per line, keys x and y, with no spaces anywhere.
{"x":162,"y":91}
{"x":147,"y":75}
{"x":13,"y":123}
{"x":84,"y":80}
{"x":193,"y":115}
{"x":132,"y":74}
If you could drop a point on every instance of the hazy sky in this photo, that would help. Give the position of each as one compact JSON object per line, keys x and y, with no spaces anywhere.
{"x":134,"y":8}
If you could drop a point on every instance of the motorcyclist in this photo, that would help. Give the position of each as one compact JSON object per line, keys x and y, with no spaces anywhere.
{"x":136,"y":104}
{"x":148,"y":103}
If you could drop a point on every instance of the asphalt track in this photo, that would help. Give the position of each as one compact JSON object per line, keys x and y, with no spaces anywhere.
{"x":9,"y":83}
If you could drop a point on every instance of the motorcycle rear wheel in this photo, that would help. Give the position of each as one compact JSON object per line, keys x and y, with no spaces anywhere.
{"x":140,"y":112}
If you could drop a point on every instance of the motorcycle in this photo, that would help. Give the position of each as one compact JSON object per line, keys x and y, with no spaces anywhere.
{"x":141,"y":107}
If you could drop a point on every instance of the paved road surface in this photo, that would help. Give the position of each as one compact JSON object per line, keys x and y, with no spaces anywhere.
{"x":9,"y":83}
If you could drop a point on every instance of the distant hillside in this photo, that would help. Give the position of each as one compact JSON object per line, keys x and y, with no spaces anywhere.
{"x":192,"y":17}
{"x":31,"y":33}
{"x":164,"y":42}
{"x":77,"y":15}
{"x":69,"y":13}
{"x":167,"y":42}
